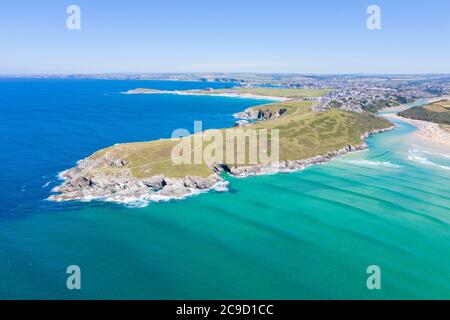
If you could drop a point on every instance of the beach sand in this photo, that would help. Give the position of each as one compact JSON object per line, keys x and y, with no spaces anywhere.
{"x":195,"y":93}
{"x":429,"y":131}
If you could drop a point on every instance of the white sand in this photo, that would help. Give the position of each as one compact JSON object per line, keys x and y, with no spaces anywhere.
{"x":432,"y":132}
{"x":212,"y":94}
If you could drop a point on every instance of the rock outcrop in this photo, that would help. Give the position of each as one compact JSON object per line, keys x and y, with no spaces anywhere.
{"x":242,"y":123}
{"x":101,"y":178}
{"x":260,"y":113}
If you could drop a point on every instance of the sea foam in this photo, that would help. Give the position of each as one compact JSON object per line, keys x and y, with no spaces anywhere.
{"x":419,"y":156}
{"x":364,"y":162}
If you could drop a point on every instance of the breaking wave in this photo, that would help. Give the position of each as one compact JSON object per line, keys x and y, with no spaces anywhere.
{"x":146,"y":199}
{"x":364,"y":162}
{"x":419,"y":156}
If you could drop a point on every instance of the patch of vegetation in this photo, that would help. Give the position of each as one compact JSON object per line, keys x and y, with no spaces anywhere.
{"x":437,"y":112}
{"x":289,"y":93}
{"x":379,"y":104}
{"x":286,"y":93}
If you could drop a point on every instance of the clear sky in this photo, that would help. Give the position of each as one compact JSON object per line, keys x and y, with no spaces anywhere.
{"x":289,"y":36}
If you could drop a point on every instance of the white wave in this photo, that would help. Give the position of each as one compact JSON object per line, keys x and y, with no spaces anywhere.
{"x":418,"y":156}
{"x":364,"y":162}
{"x":221,"y":186}
{"x":61,"y":174}
{"x":437,"y":154}
{"x":47,"y":184}
{"x":144,"y":200}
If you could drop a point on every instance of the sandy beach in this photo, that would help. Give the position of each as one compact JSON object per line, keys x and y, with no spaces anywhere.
{"x":196,"y":93}
{"x":432,"y":132}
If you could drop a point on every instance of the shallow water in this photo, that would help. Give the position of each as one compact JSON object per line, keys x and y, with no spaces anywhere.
{"x":303,"y":235}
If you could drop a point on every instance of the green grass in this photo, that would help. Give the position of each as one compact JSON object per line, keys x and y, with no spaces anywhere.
{"x":439,"y":106}
{"x":268,"y":92}
{"x":291,"y":106}
{"x":307,"y":134}
{"x":272,"y":92}
{"x":303,"y":134}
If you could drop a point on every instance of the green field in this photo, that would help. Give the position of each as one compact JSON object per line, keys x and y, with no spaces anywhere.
{"x":285,"y":93}
{"x":437,"y":112}
{"x":302,"y":134}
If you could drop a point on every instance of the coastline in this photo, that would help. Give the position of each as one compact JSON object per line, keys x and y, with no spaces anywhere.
{"x":193,"y":93}
{"x":126,"y":189}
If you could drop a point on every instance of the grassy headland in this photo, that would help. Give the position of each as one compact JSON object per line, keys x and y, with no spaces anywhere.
{"x":436,"y":112}
{"x":298,"y":135}
{"x":302,"y":134}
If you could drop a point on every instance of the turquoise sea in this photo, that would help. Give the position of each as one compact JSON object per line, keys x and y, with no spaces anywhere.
{"x":304,"y":235}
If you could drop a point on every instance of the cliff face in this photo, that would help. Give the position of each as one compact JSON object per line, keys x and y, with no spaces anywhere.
{"x":124,"y":188}
{"x":260,"y":113}
{"x":106,"y":178}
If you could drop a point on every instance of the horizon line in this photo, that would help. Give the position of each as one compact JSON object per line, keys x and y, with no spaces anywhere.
{"x":224,"y":73}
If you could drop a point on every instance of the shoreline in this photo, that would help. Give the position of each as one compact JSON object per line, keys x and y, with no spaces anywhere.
{"x":428,"y":131}
{"x":193,"y":93}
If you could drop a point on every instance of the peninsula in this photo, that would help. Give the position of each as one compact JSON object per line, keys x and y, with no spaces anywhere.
{"x":276,"y":94}
{"x":145,"y":170}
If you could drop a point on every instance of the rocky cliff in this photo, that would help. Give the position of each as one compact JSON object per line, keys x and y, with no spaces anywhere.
{"x":260,"y":113}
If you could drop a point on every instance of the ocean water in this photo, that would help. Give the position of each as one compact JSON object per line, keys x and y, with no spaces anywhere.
{"x":305,"y":235}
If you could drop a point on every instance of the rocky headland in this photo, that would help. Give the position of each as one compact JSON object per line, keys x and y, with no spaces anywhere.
{"x":114,"y":174}
{"x":80,"y":184}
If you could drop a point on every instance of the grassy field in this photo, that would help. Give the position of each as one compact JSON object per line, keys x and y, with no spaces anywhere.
{"x":272,"y":92}
{"x":437,"y":112}
{"x":302,"y":134}
{"x":285,"y":93}
{"x":268,"y":92}
{"x":439,"y":106}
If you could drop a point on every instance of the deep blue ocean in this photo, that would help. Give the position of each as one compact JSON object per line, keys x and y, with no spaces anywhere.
{"x":306,"y":235}
{"x":49,"y":124}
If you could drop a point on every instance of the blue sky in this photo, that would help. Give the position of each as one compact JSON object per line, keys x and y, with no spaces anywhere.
{"x":321,"y":36}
